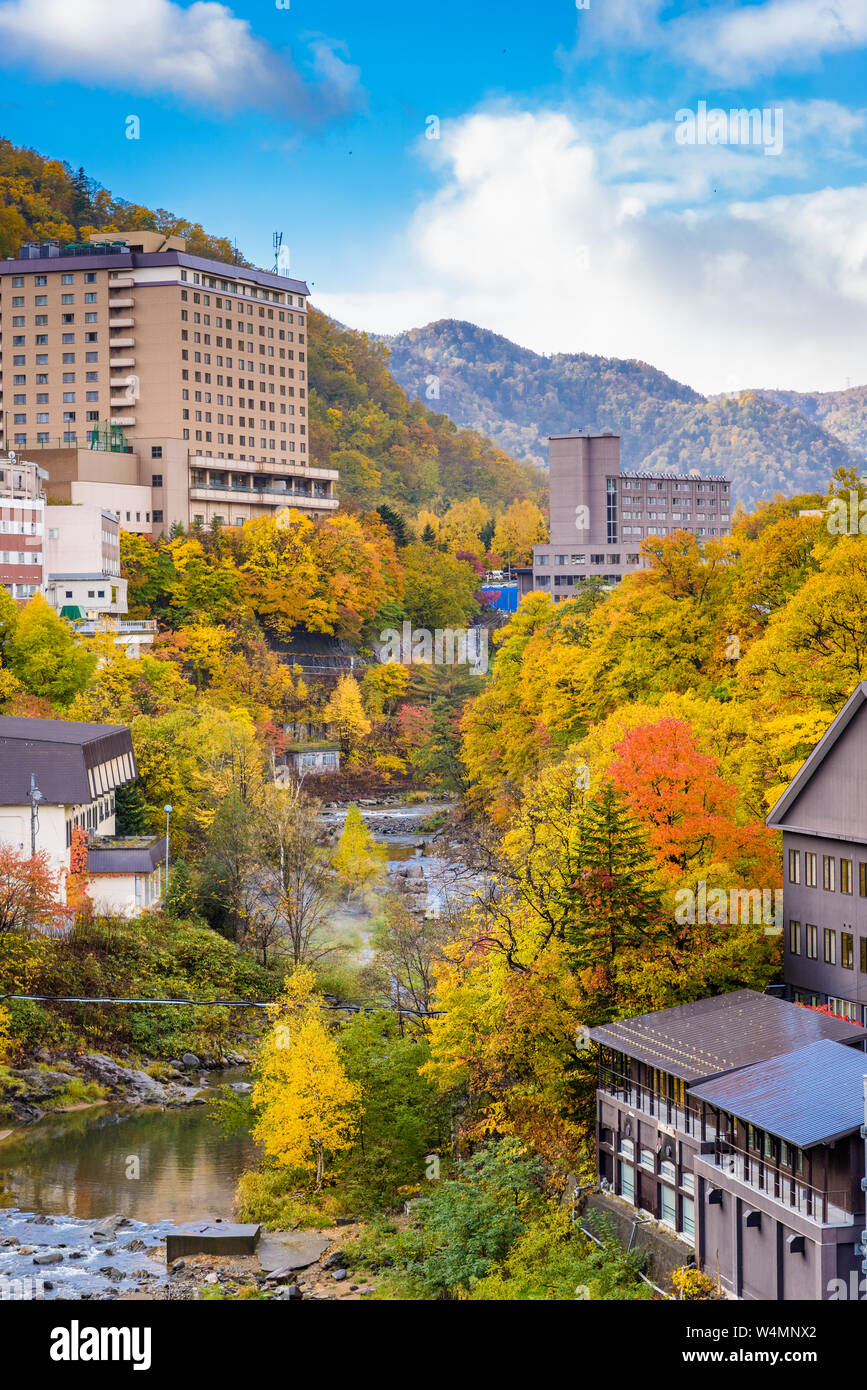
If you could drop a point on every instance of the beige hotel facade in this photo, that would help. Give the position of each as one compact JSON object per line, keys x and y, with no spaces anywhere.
{"x":160,"y":385}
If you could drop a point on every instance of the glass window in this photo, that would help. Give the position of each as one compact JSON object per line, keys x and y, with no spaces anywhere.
{"x":667,"y":1170}
{"x":627,"y":1181}
{"x":687,"y":1217}
{"x":627,"y":1148}
{"x":809,"y":869}
{"x":828,"y":872}
{"x":648,"y":1159}
{"x":668,"y":1206}
{"x":845,"y":875}
{"x":812,"y":942}
{"x":795,"y":938}
{"x":794,"y":866}
{"x":847,"y":950}
{"x":830,"y":946}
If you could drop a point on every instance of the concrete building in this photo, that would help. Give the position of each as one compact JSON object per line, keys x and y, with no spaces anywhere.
{"x":823,"y":819}
{"x":78,"y":768}
{"x":22,"y":526}
{"x":131,"y":364}
{"x":82,"y":562}
{"x":734,"y":1123}
{"x":600,"y":514}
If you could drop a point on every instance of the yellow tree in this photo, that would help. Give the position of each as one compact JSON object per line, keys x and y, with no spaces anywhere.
{"x":517,"y":531}
{"x":308,"y":1108}
{"x":358,"y":859}
{"x":346,"y":712}
{"x":462,"y":525}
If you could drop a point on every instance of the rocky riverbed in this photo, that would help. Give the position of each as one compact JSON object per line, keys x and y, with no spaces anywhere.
{"x":59,"y":1257}
{"x":27,"y":1093}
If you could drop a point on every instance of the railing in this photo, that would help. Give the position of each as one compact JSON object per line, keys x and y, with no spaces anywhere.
{"x":652,"y":1102}
{"x":826,"y":1208}
{"x":91,"y":625}
{"x":265,"y":491}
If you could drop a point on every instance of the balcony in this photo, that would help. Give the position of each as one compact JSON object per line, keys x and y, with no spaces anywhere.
{"x":122,"y":419}
{"x":121,"y":362}
{"x":118,"y":303}
{"x":120,"y":282}
{"x":123,"y":400}
{"x":121,"y":343}
{"x":120,"y":323}
{"x":662,"y":1108}
{"x":218,"y":492}
{"x":115,"y":625}
{"x":825,"y":1208}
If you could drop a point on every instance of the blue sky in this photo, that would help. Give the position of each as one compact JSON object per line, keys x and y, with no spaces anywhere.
{"x":561,"y":203}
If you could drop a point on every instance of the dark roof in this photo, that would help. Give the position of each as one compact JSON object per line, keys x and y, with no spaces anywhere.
{"x":812,"y":1095}
{"x":133,"y":259}
{"x":712,"y":1036}
{"x":127,"y":854}
{"x":837,"y":727}
{"x":61,"y":753}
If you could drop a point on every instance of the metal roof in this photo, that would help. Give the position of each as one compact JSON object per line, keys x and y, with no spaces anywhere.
{"x":60,"y":752}
{"x":713,"y":1036}
{"x":137,"y":854}
{"x":807,"y":1097}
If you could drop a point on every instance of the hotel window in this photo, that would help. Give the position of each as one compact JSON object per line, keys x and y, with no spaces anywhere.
{"x":828,"y":872}
{"x":794,"y":866}
{"x":667,"y":1170}
{"x":648,"y":1160}
{"x":795,"y":938}
{"x":809,"y":869}
{"x":687,"y":1217}
{"x":812,"y":942}
{"x":863,"y":953}
{"x":847,"y":950}
{"x":667,"y":1205}
{"x":830,"y":946}
{"x":862,"y":879}
{"x":627,"y":1148}
{"x":845,"y":875}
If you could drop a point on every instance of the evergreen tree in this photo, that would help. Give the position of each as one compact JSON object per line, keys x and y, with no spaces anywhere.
{"x":395,"y":523}
{"x":616,"y":905}
{"x":429,"y":535}
{"x":130,"y":810}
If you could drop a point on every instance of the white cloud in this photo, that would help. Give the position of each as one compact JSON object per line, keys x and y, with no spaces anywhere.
{"x":203,"y":54}
{"x":532,"y":234}
{"x":730,"y":40}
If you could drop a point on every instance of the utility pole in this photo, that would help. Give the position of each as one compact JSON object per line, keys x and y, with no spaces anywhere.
{"x":35,"y":796}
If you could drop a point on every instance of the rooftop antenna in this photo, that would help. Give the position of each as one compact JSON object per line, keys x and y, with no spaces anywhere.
{"x":278,"y":242}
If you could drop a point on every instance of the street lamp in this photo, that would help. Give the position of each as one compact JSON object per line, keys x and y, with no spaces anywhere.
{"x":168,"y":811}
{"x":34,"y":797}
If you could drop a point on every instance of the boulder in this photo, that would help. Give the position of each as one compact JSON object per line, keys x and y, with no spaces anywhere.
{"x":189,"y":1059}
{"x":48,"y":1257}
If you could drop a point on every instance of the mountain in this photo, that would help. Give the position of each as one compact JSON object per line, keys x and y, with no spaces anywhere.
{"x":519,"y":397}
{"x":840,"y":413}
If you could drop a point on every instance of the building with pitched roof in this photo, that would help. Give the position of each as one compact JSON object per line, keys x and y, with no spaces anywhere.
{"x":735,"y":1123}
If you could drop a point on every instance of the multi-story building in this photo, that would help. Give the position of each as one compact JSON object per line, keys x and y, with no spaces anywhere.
{"x":77,"y":769}
{"x":22,"y":526}
{"x":734,"y":1122}
{"x":132,"y":364}
{"x":82,"y":562}
{"x":823,"y":819}
{"x":600,"y":514}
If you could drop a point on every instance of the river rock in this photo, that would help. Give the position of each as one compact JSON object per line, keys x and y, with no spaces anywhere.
{"x":339,"y":1275}
{"x":241,"y":1087}
{"x":109,"y":1227}
{"x":189,"y":1059}
{"x":48,"y":1257}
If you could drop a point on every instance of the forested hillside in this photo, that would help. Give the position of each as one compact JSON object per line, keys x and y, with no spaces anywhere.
{"x":841,"y":413}
{"x":519,"y":397}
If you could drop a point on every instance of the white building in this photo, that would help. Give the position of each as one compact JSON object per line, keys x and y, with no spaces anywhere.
{"x":78,"y":768}
{"x":82,"y":562}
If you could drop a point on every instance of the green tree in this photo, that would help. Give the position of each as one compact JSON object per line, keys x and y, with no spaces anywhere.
{"x":130,"y":810}
{"x":358,"y":859}
{"x":45,"y":655}
{"x":181,"y":898}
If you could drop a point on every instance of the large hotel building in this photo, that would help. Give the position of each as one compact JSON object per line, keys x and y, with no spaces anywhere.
{"x":600,"y":514}
{"x":158,"y":384}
